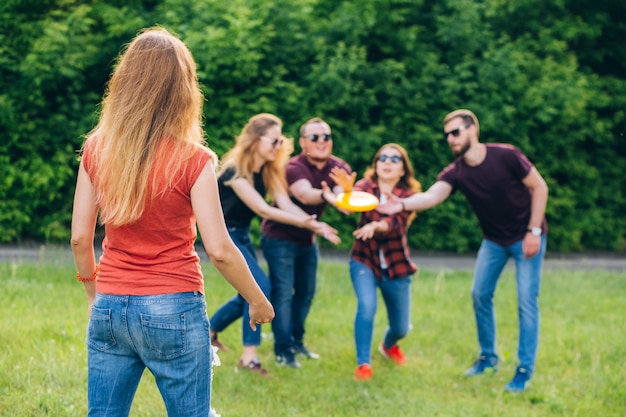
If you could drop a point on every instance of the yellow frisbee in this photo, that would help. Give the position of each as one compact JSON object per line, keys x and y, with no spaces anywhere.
{"x":357,"y":201}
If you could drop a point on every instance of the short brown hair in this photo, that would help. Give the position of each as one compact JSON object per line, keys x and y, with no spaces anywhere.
{"x":468,"y":117}
{"x":310,"y":122}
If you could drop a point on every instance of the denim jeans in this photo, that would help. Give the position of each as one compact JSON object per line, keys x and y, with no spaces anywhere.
{"x":293,"y":274}
{"x":397,"y":297}
{"x":237,"y":307}
{"x":168,"y":334}
{"x":491,"y":260}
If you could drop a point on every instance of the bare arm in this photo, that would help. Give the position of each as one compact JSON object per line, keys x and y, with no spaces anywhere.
{"x":84,"y":218}
{"x":222,"y":251}
{"x":255,"y":201}
{"x":304,"y":191}
{"x":283,"y":201}
{"x":436,"y":194}
{"x":538,"y":202}
{"x":367,"y":231}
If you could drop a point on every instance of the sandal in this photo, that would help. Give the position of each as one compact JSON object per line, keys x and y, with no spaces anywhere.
{"x":253,"y":366}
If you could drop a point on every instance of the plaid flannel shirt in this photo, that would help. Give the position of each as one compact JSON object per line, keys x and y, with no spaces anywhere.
{"x":393,"y":242}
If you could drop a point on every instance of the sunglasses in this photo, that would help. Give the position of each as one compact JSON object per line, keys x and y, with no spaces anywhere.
{"x":455,"y":132}
{"x":325,"y":137}
{"x":274,"y":142}
{"x":395,"y":159}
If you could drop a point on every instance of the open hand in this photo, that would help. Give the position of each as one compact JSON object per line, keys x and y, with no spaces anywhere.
{"x":327,"y":232}
{"x":331,"y":198}
{"x":365,"y":232}
{"x":393,"y":205}
{"x":343,"y":179}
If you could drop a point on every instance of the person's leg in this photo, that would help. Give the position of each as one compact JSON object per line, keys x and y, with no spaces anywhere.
{"x":171,"y":334}
{"x":490,"y":262}
{"x":364,"y":283}
{"x":397,"y":296}
{"x":304,"y":291}
{"x":280,"y":257}
{"x":229,"y":312}
{"x":114,"y":368}
{"x":528,"y":277}
{"x":236,"y":307}
{"x":251,"y":338}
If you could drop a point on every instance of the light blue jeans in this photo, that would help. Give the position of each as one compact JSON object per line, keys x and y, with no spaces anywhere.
{"x":168,"y":334}
{"x":237,"y":307}
{"x":491,"y":260}
{"x":397,"y":297}
{"x":293,"y":274}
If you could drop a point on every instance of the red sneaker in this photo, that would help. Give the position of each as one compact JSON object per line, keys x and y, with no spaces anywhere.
{"x":394,"y":353}
{"x":363,"y":372}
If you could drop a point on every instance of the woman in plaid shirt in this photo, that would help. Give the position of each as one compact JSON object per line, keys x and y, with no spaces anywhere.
{"x":380,"y":258}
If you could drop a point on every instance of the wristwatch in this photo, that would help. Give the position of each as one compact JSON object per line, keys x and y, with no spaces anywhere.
{"x":535,"y":231}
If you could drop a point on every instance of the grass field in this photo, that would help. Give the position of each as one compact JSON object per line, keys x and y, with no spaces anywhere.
{"x":581,"y":365}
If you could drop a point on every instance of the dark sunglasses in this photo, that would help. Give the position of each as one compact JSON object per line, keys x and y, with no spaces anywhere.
{"x":273,"y":142}
{"x":395,"y":159}
{"x":455,"y":132}
{"x":325,"y":137}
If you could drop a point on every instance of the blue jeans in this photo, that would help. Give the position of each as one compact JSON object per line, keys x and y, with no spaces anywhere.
{"x":237,"y":307}
{"x":293,"y":273}
{"x":168,"y":334}
{"x":397,"y":297}
{"x":491,"y":260}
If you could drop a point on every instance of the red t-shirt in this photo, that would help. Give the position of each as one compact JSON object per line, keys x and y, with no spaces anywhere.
{"x":156,"y":254}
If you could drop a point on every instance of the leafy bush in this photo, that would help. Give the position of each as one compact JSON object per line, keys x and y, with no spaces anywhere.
{"x":548,"y":78}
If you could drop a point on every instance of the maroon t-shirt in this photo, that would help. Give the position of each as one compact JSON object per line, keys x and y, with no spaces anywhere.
{"x":495,"y":191}
{"x":299,"y":168}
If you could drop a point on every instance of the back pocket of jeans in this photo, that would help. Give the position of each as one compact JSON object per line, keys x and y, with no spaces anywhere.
{"x":99,"y":331}
{"x":165,"y":335}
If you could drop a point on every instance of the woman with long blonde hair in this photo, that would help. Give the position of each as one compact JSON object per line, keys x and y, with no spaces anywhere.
{"x":254,"y":167}
{"x":145,"y":172}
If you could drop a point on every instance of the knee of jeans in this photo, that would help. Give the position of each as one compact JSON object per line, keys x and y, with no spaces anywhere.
{"x":366,"y":309}
{"x":281,"y":298}
{"x":402,"y":334}
{"x":482,"y":297}
{"x":528,"y":305}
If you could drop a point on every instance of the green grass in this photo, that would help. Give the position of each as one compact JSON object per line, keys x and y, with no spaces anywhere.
{"x":581,"y":365}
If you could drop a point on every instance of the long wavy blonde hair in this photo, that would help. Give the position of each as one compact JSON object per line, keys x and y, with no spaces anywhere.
{"x":150,"y":125}
{"x":241,"y":156}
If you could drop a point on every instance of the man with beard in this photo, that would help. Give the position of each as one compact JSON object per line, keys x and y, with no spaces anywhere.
{"x":509,"y":197}
{"x":292,"y":253}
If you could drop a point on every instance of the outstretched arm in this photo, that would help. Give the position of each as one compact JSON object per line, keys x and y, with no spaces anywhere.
{"x":436,"y":194}
{"x":256,"y":202}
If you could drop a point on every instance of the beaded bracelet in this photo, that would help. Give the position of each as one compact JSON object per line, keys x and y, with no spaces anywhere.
{"x":91,"y":278}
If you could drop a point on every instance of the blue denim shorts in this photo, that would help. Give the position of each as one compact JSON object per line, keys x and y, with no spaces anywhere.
{"x":167,"y":334}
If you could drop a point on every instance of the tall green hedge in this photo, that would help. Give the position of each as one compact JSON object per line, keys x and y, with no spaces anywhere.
{"x":548,"y":77}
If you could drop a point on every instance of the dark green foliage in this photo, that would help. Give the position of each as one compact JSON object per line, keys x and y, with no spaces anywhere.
{"x":548,"y":77}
